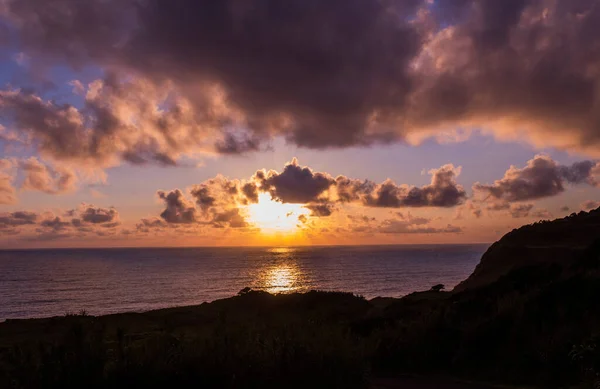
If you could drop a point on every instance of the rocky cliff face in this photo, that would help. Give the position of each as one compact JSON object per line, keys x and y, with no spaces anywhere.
{"x":556,"y":241}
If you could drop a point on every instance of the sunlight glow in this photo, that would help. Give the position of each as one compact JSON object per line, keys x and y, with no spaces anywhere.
{"x":282,"y":278}
{"x":274,"y":217}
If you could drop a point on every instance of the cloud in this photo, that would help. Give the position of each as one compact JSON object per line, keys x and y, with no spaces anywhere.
{"x":221,"y":202}
{"x":93,"y":215}
{"x":84,"y":221}
{"x":178,"y":209}
{"x":404,"y":223}
{"x":296,"y":184}
{"x":406,"y":227}
{"x":56,"y":224}
{"x":8,"y":221}
{"x":590,"y":204}
{"x":43,"y":178}
{"x":219,"y":197}
{"x":520,"y":210}
{"x":473,"y":208}
{"x":320,"y":210}
{"x":371,"y":71}
{"x":229,"y":218}
{"x":123,"y":119}
{"x":337,"y":87}
{"x":8,"y":193}
{"x":442,"y":192}
{"x":151,"y":225}
{"x":541,"y":177}
{"x":217,"y":203}
{"x":517,"y":210}
{"x":360,"y":218}
{"x":223,"y":192}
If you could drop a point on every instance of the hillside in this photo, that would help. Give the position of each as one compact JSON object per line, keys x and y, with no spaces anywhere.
{"x":557,"y":241}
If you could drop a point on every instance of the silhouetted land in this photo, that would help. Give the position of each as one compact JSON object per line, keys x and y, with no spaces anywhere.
{"x":525,"y":317}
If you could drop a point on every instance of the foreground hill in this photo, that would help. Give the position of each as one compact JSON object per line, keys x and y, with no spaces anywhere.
{"x":529,"y":322}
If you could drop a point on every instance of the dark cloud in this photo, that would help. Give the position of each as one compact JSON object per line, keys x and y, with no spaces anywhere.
{"x":361,"y":218}
{"x":542,"y":177}
{"x":55,"y":223}
{"x":94,"y":215}
{"x":578,"y":173}
{"x":320,"y":73}
{"x":351,"y":190}
{"x":232,"y":145}
{"x":442,"y":192}
{"x":320,"y":210}
{"x":15,"y":219}
{"x":251,"y":192}
{"x":152,"y":225}
{"x":230,"y":218}
{"x":178,"y":209}
{"x":84,"y":221}
{"x":296,"y":184}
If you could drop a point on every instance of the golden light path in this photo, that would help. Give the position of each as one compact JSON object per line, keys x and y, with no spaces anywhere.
{"x":274,"y":217}
{"x":283,"y":276}
{"x":281,"y":279}
{"x":278,"y":224}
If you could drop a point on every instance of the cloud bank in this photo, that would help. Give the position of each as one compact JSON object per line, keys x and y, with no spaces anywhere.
{"x":84,"y":221}
{"x":220,"y":201}
{"x":198,"y":76}
{"x":541,"y":177}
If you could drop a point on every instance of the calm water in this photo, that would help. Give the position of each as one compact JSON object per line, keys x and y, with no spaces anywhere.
{"x":40,"y":283}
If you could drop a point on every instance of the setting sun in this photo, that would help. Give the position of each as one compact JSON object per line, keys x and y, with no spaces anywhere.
{"x":272,"y":216}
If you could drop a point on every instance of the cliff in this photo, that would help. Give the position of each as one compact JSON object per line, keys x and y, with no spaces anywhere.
{"x":559,"y":241}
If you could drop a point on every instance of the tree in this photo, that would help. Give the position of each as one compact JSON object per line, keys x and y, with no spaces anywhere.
{"x":438,"y":288}
{"x":244,"y":291}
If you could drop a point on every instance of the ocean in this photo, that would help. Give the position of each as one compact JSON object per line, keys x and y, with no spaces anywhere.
{"x":44,"y":283}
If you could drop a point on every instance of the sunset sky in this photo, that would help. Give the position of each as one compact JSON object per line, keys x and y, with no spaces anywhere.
{"x":268,"y":122}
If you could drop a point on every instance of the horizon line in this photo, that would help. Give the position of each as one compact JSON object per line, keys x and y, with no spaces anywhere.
{"x":241,"y":246}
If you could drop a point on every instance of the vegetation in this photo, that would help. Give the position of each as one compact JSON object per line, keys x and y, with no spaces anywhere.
{"x":537,"y":324}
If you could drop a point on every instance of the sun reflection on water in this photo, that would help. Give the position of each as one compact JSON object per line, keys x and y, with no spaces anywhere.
{"x":281,"y":279}
{"x":280,"y":272}
{"x":281,"y":250}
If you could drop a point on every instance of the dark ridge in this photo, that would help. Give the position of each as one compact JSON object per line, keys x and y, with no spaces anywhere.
{"x":560,"y":240}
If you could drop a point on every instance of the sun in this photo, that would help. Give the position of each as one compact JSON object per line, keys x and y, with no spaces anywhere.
{"x":274,"y":217}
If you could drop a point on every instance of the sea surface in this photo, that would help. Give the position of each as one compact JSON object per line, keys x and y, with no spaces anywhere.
{"x":44,"y":283}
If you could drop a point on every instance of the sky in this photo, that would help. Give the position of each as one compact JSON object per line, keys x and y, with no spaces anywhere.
{"x":130,"y":123}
